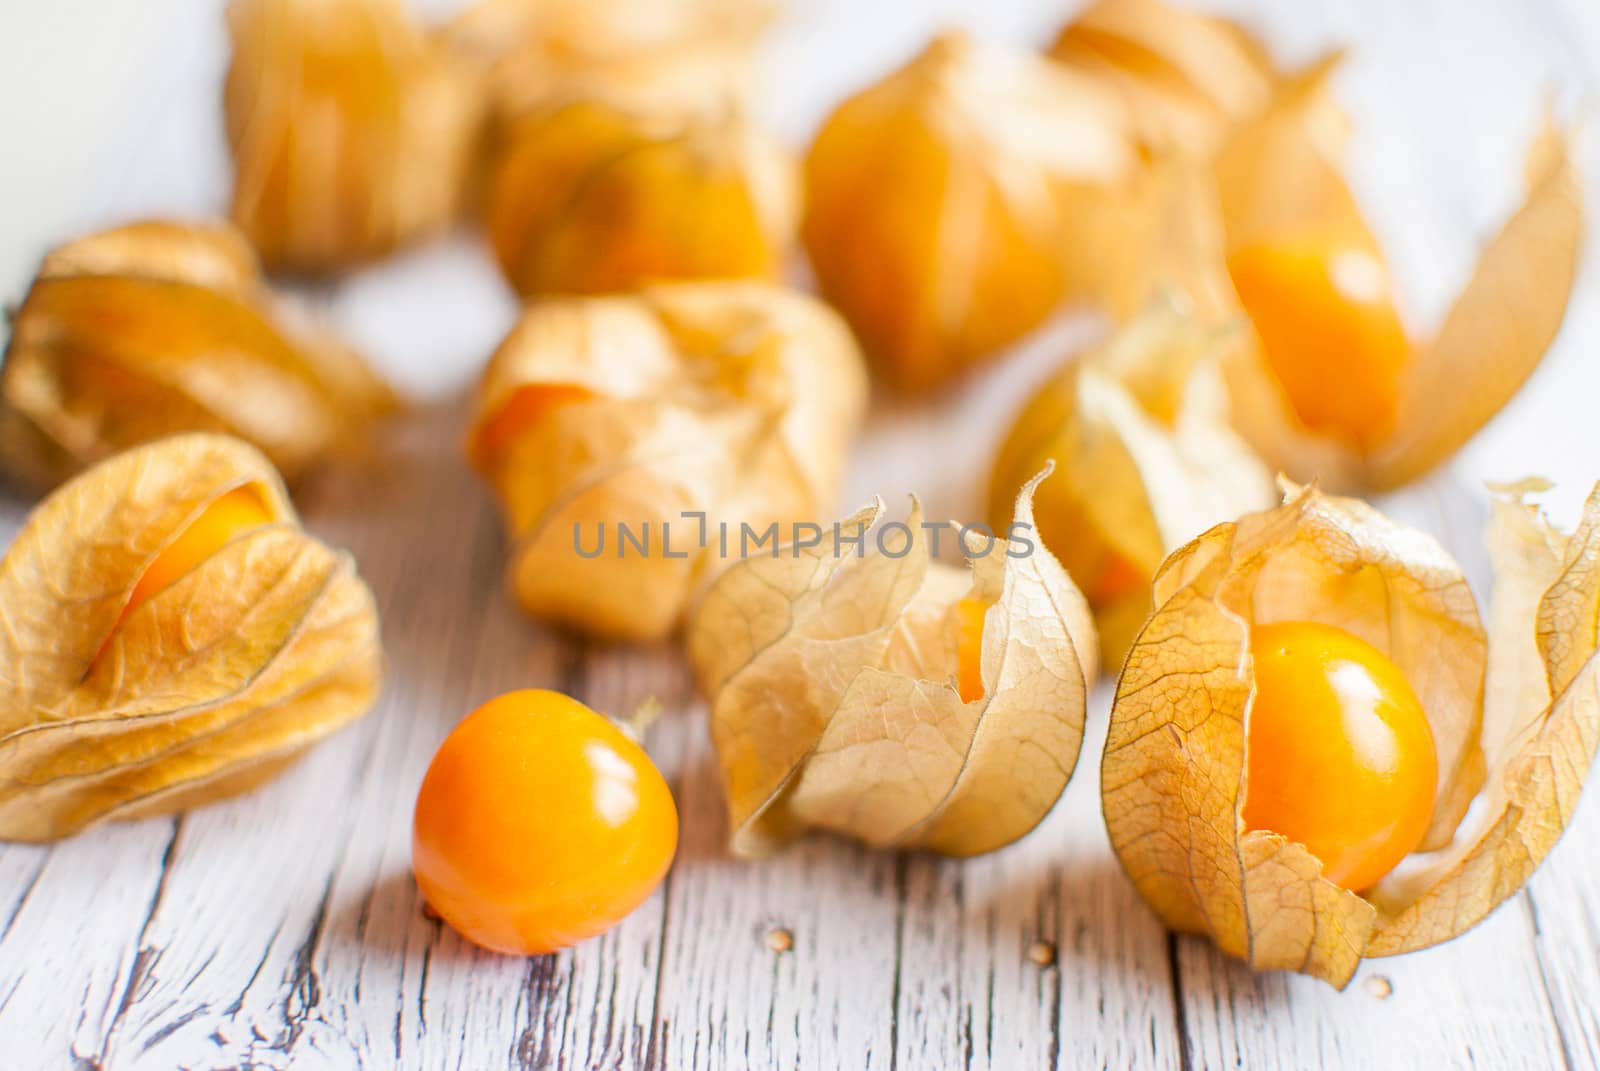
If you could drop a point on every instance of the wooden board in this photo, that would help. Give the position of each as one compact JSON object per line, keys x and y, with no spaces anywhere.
{"x":283,"y":929}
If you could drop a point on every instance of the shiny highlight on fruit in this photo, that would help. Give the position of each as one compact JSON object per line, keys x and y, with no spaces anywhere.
{"x":1341,"y":756}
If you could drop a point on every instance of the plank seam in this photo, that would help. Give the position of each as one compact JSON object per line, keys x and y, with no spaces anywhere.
{"x":142,"y":961}
{"x":1532,"y":911}
{"x":1179,"y":1011}
{"x":26,"y":892}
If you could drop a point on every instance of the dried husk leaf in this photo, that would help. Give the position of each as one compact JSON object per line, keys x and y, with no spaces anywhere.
{"x":683,"y":407}
{"x":158,"y":327}
{"x":594,"y":198}
{"x":1145,"y":462}
{"x":1500,"y":325}
{"x":832,"y":677}
{"x":1186,"y":77}
{"x":671,"y":56}
{"x":352,"y":131}
{"x":1279,"y":173}
{"x":953,"y":206}
{"x":208,"y":686}
{"x":1173,"y":773}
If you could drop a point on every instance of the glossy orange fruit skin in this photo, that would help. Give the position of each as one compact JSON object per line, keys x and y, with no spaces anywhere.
{"x":540,"y":824}
{"x":1329,"y":331}
{"x":1341,"y":757}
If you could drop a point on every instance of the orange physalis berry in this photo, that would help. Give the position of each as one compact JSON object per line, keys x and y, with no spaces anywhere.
{"x":539,"y":824}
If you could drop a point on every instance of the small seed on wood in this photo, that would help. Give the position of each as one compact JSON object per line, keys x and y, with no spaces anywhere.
{"x":1379,"y":986}
{"x":779,"y":939}
{"x":1042,"y":953}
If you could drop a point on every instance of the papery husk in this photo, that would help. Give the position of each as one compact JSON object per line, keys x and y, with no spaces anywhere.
{"x":957,"y":203}
{"x":352,"y":131}
{"x":1186,"y":77}
{"x":689,"y":406}
{"x":595,"y":198}
{"x":209,"y":686}
{"x":1279,"y":172}
{"x":1173,"y":775}
{"x":667,"y":56}
{"x":159,"y":327}
{"x":1145,"y":461}
{"x":835,"y":705}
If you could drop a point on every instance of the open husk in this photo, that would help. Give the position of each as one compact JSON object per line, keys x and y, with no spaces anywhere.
{"x":1278,"y":174}
{"x":1145,"y":461}
{"x":1514,"y":712}
{"x":670,"y":56}
{"x":671,"y":417}
{"x":957,"y":203}
{"x":1245,"y":204}
{"x":1186,"y":77}
{"x":352,"y":131}
{"x":831,"y":668}
{"x":159,"y":327}
{"x":594,"y":198}
{"x":206,"y":688}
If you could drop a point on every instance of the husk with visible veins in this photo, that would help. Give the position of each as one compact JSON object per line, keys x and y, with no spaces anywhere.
{"x":1278,"y":171}
{"x":352,"y":131}
{"x":832,"y":678}
{"x":1173,"y":776}
{"x":208,"y":686}
{"x":957,"y":203}
{"x":159,"y":327}
{"x":674,"y":56}
{"x":1145,"y":461}
{"x":1186,"y":77}
{"x":592,"y":197}
{"x":731,"y":400}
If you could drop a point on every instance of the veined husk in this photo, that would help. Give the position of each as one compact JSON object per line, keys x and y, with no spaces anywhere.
{"x":832,"y":678}
{"x":1186,"y":77}
{"x":1145,"y":461}
{"x":206,"y":688}
{"x":159,"y":327}
{"x":595,"y":198}
{"x":670,"y":56}
{"x":954,"y":205}
{"x":1173,"y":776}
{"x":682,"y":408}
{"x":352,"y":131}
{"x":1278,"y":173}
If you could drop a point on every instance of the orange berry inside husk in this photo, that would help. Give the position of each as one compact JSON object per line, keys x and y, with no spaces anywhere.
{"x":1340,"y":754}
{"x":970,"y":615}
{"x":540,"y":824}
{"x":525,"y":408}
{"x":226,"y":518}
{"x":1330,"y":334}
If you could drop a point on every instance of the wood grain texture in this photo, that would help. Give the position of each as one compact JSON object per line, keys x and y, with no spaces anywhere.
{"x":283,"y":930}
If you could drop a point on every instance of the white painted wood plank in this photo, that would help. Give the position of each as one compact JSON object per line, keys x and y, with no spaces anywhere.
{"x":727,"y":999}
{"x":1564,"y":915}
{"x":73,"y":949}
{"x":1476,"y":1002}
{"x":970,"y":987}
